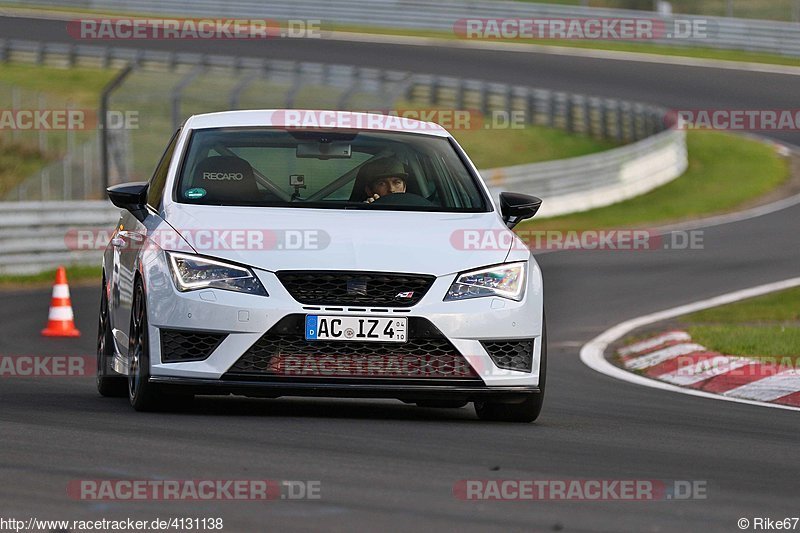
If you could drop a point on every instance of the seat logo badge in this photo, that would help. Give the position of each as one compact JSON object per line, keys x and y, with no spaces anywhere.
{"x":356,"y":287}
{"x":220,"y":176}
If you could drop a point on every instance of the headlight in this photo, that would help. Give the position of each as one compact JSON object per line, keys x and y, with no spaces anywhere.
{"x":192,"y":272}
{"x":506,"y":281}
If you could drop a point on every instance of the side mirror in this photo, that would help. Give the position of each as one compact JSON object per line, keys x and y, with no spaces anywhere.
{"x":517,"y":207}
{"x":130,"y":196}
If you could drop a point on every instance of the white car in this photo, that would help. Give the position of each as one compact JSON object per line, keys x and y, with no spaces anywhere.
{"x":321,"y":253}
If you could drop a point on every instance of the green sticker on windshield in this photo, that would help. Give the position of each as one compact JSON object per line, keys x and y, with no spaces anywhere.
{"x":196,"y":193}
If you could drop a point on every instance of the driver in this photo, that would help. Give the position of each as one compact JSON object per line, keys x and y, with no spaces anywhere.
{"x":386,"y":176}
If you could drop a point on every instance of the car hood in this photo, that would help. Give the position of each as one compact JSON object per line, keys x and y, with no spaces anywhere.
{"x":325,"y":239}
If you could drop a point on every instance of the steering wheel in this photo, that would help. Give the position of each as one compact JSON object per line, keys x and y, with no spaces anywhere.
{"x":404,"y":198}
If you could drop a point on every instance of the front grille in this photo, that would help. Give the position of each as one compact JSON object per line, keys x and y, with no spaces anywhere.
{"x":511,"y":354}
{"x":347,"y":288}
{"x":283,"y":351}
{"x":183,"y":345}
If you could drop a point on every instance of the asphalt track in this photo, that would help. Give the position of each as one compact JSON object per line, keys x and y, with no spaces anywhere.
{"x":385,"y":465}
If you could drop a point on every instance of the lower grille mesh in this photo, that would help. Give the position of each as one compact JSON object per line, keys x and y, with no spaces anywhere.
{"x":427,"y":354}
{"x":184,"y":345}
{"x":511,"y":354}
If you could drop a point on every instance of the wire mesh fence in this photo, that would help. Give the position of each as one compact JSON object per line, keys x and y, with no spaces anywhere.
{"x":163,"y":89}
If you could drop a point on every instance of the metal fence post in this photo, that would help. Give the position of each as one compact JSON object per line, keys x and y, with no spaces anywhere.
{"x":484,"y":99}
{"x":586,"y":120}
{"x":551,"y":110}
{"x":86,"y":171}
{"x":177,"y":92}
{"x":297,"y":81}
{"x":433,"y":96}
{"x":105,"y":62}
{"x":628,"y":134}
{"x":104,"y":101}
{"x":72,"y":56}
{"x":66,"y":174}
{"x":344,"y":99}
{"x":569,"y":114}
{"x":40,"y":52}
{"x":42,"y":103}
{"x":236,"y":92}
{"x":460,"y":94}
{"x":604,"y":116}
{"x":45,"y":186}
{"x":618,"y":133}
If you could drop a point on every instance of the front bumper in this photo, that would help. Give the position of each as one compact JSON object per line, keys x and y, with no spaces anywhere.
{"x":246,"y":318}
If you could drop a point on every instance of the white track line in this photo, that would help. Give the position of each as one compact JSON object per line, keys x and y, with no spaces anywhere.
{"x":593,"y":352}
{"x":664,"y":354}
{"x":738,"y":216}
{"x":716,"y":220}
{"x":703,"y":370}
{"x":769,"y":388}
{"x":655,"y":342}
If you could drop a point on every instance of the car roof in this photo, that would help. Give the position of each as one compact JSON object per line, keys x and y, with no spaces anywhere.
{"x":314,"y":119}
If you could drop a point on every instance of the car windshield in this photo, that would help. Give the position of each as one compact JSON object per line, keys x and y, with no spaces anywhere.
{"x":326,"y":169}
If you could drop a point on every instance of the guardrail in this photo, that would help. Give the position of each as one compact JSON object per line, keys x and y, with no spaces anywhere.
{"x":34,"y":236}
{"x":781,"y":38}
{"x":615,"y":175}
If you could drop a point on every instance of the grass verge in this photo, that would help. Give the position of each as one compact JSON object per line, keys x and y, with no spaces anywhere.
{"x":81,"y":86}
{"x":766,"y":327}
{"x":504,"y":147}
{"x":17,"y":161}
{"x":725,"y":171}
{"x":40,"y":87}
{"x":76,"y":274}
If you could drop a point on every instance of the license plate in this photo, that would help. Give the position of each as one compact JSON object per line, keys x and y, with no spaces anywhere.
{"x":355,"y":328}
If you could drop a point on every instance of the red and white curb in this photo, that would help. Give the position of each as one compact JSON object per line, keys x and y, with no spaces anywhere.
{"x":672,"y":357}
{"x":727,"y":378}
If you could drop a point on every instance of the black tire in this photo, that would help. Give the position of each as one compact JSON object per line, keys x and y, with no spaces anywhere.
{"x":110,"y":386}
{"x":144,"y":396}
{"x":529,"y":409}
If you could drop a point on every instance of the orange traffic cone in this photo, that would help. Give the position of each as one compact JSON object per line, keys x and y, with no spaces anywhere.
{"x":60,"y":320}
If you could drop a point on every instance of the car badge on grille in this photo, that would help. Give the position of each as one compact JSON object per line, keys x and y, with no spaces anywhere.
{"x":356,"y":287}
{"x":405,"y":295}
